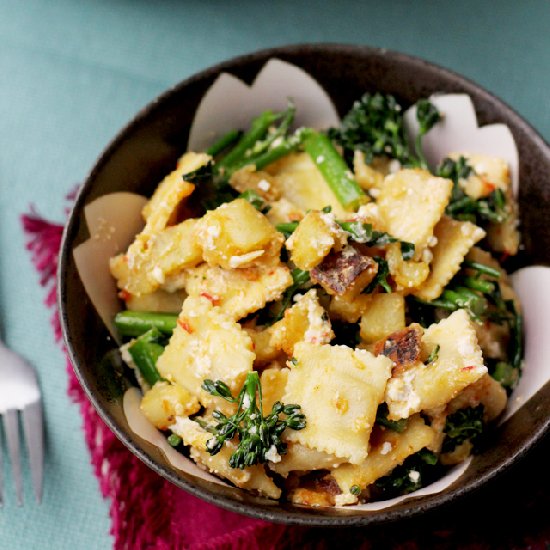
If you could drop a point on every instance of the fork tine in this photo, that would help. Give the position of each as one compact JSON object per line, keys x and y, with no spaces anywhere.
{"x":34,"y":434}
{"x":11,"y":428}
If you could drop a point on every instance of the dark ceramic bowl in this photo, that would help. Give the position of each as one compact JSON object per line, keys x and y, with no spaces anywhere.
{"x":147,"y":149}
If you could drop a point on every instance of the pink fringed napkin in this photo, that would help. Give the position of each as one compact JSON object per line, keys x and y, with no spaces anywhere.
{"x":149,"y":512}
{"x":146,"y":510}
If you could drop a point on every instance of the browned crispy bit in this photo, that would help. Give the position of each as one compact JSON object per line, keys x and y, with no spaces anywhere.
{"x":345,"y":272}
{"x":402,"y":346}
{"x":316,"y":489}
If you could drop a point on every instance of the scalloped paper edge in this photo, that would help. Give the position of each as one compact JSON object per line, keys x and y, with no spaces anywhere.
{"x":458,"y":131}
{"x":231,"y":103}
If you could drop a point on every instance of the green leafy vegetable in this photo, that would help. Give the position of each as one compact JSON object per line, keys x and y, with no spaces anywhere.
{"x":254,"y":199}
{"x":258,"y":435}
{"x":462,"y":207}
{"x":463,"y":425}
{"x":375,"y":126}
{"x":382,"y":419}
{"x":212,"y":190}
{"x":416,"y":471}
{"x":433,"y":355}
{"x":300,"y":281}
{"x":427,"y":116}
{"x":381,"y":278}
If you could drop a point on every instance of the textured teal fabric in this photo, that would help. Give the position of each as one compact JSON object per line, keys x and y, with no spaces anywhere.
{"x":73,"y":72}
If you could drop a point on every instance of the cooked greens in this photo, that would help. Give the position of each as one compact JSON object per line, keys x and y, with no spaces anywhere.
{"x":259,"y":436}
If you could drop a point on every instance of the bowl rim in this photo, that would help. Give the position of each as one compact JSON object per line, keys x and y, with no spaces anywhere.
{"x":298,"y":515}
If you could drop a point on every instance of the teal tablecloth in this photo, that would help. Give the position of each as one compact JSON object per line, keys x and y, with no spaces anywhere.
{"x":72,"y":72}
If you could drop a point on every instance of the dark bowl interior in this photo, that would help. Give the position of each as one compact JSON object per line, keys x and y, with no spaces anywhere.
{"x":148,"y":147}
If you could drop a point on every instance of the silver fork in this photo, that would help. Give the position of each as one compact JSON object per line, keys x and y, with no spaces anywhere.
{"x":19,"y":392}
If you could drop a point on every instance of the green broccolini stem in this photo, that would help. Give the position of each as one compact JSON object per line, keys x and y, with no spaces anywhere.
{"x":486,"y":287}
{"x":258,"y":130}
{"x":334,"y":170}
{"x":145,"y":352}
{"x":287,"y":228}
{"x":224,"y":142}
{"x":136,"y":323}
{"x":267,"y":157}
{"x":174,"y":440}
{"x":482,"y":268}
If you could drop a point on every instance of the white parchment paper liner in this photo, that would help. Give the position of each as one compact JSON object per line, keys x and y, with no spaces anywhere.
{"x":229,"y":104}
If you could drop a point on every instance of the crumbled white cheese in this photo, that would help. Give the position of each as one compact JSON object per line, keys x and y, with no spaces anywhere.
{"x":414,"y":476}
{"x":320,"y":159}
{"x":158,"y":275}
{"x":317,"y":330}
{"x":465,"y":346}
{"x":386,"y":448}
{"x":427,"y":255}
{"x":264,"y":185}
{"x":432,"y":241}
{"x":401,"y":395}
{"x":238,"y":261}
{"x":394,"y":166}
{"x":212,"y":233}
{"x":345,"y":498}
{"x":272,"y":455}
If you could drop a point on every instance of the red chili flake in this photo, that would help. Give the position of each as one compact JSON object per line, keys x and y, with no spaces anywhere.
{"x":489,"y":187}
{"x":124,"y":295}
{"x":504,"y":256}
{"x":468,"y":368}
{"x":214,"y":300}
{"x":185,"y":326}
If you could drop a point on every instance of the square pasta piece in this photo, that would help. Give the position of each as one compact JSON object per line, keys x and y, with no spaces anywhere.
{"x":391,"y":450}
{"x":238,"y":292}
{"x":411,"y":202}
{"x":339,"y":390}
{"x":454,"y":240}
{"x":384,"y":314}
{"x":162,"y":208}
{"x":458,"y":364}
{"x":235,"y":235}
{"x":301,"y":183}
{"x":207,"y":343}
{"x":273,"y":381}
{"x":250,"y":179}
{"x":305,"y":321}
{"x":314,"y":238}
{"x":148,"y":264}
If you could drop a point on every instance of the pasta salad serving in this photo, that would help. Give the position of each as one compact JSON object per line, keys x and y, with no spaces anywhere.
{"x":318,"y":316}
